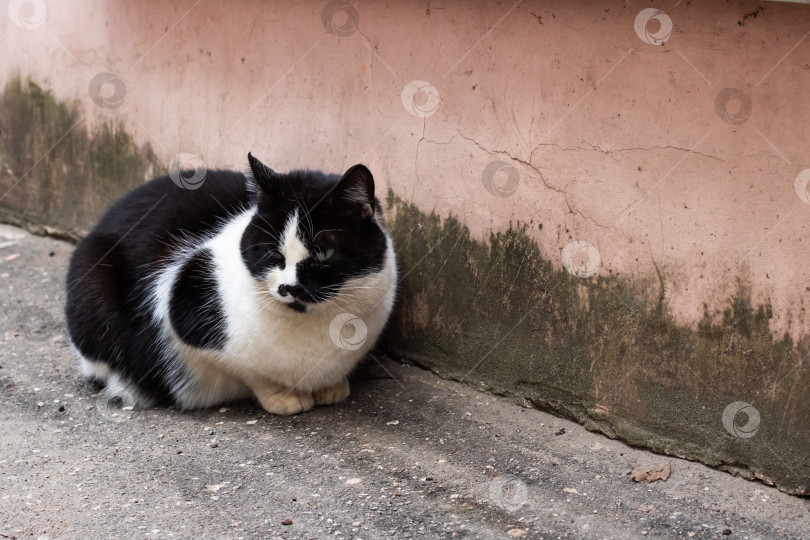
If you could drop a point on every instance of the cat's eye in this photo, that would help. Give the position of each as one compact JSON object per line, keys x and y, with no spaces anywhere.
{"x":324,"y":255}
{"x":275,"y":256}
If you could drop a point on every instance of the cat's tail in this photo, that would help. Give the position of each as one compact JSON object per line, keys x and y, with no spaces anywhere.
{"x":114,"y":386}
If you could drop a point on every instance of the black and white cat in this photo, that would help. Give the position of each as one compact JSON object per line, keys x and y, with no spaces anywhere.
{"x":265,"y":284}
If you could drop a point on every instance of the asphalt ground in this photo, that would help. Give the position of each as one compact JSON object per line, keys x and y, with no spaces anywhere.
{"x":408,"y":455}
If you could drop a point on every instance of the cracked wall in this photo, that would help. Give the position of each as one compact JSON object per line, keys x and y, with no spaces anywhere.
{"x":653,"y":164}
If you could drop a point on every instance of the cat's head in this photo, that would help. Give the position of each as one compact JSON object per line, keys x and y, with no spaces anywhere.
{"x":313,"y":235}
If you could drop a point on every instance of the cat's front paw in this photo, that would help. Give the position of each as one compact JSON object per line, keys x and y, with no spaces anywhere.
{"x":332,"y":394}
{"x":286,"y":402}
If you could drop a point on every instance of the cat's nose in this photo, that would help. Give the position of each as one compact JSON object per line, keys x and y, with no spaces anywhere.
{"x":292,"y":290}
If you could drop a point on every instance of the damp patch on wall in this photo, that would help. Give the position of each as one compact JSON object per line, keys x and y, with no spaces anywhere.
{"x":56,"y":175}
{"x":601,"y":349}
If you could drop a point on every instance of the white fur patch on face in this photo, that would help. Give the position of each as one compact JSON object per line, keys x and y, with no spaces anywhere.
{"x":294,"y":251}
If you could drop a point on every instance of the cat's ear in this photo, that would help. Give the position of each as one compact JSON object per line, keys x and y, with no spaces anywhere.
{"x":264,"y":177}
{"x":356,"y":190}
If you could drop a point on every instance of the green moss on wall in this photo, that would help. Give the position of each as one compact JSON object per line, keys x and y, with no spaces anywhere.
{"x":55,"y":174}
{"x":602,"y":350}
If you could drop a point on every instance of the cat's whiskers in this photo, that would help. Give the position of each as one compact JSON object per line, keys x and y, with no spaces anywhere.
{"x":346,"y":287}
{"x":344,"y":297}
{"x":306,"y":216}
{"x":353,"y":291}
{"x":271,"y":244}
{"x":267,"y":253}
{"x":336,"y":297}
{"x":310,"y":225}
{"x":266,"y":300}
{"x":325,"y":230}
{"x":263,"y":295}
{"x":273,"y":234}
{"x":341,"y":302}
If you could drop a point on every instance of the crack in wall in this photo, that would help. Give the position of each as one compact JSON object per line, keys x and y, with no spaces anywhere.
{"x":547,"y":185}
{"x":609,"y":151}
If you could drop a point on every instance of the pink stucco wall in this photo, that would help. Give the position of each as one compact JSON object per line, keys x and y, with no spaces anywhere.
{"x":611,"y":138}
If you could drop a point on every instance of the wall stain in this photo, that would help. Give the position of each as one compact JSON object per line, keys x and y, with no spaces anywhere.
{"x":603,"y":351}
{"x":56,"y":177}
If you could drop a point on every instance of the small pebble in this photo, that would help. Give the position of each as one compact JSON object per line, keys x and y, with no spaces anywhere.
{"x":643,"y":533}
{"x":213,"y":443}
{"x":287,"y":521}
{"x":560,"y":432}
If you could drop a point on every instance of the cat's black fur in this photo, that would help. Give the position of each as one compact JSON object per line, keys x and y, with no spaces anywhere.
{"x":108,"y":278}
